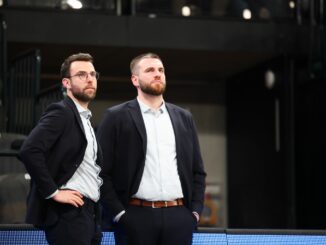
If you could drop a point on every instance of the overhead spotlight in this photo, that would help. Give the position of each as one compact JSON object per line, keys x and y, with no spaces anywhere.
{"x":27,"y":176}
{"x":292,"y":4}
{"x":269,"y":79}
{"x":246,"y":14}
{"x":1,"y":3}
{"x":186,"y":11}
{"x":152,"y":15}
{"x":75,"y":4}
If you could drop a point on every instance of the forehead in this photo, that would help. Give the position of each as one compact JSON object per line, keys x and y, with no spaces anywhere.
{"x":150,"y":62}
{"x":81,"y":66}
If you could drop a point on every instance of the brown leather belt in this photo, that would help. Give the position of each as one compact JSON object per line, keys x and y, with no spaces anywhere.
{"x":156,"y":204}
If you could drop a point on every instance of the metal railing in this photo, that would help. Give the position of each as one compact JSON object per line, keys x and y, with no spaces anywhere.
{"x":25,"y":101}
{"x":24,"y":85}
{"x":235,"y":9}
{"x":3,"y":73}
{"x":48,"y":96}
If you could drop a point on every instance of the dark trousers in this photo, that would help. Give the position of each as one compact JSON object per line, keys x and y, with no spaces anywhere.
{"x":75,"y":225}
{"x":155,"y":226}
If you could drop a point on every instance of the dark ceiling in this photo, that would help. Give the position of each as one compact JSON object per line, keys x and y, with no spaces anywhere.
{"x":113,"y":62}
{"x":196,"y":53}
{"x":192,"y":75}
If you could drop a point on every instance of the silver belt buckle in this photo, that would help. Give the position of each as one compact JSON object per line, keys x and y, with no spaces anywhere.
{"x":165,"y":202}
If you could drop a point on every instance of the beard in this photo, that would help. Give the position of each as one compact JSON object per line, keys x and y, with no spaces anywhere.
{"x":83,"y":96}
{"x":152,"y":88}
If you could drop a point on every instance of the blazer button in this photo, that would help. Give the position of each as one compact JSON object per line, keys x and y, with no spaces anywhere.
{"x":76,"y":165}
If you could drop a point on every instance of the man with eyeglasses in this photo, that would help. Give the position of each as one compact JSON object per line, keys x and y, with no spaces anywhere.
{"x":63,"y":158}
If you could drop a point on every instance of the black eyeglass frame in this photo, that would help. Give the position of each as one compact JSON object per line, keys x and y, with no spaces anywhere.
{"x":83,"y":75}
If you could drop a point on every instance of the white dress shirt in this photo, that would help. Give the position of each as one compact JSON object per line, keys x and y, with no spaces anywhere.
{"x":160,"y":180}
{"x":86,"y":179}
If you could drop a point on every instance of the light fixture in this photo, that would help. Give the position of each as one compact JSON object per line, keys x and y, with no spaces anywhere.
{"x":269,"y":79}
{"x":75,"y":4}
{"x":292,"y":4}
{"x":186,"y":11}
{"x":27,"y":176}
{"x":246,"y":14}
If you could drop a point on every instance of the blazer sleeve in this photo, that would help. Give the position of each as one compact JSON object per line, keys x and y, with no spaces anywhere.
{"x":107,"y":136}
{"x":199,"y":174}
{"x":38,"y":144}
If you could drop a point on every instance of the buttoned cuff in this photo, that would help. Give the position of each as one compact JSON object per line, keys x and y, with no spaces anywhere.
{"x":118,"y":216}
{"x":196,"y":215}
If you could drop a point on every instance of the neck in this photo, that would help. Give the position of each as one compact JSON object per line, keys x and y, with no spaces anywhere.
{"x":81,"y":103}
{"x":153,"y":101}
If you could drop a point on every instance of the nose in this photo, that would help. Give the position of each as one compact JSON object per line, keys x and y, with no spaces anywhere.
{"x":90,"y":81}
{"x":90,"y":78}
{"x":157,"y":73}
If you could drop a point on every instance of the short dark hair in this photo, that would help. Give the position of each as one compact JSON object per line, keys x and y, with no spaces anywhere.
{"x":136,"y":60}
{"x":65,"y":67}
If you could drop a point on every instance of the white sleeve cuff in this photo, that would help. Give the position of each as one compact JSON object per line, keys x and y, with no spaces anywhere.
{"x":52,"y":195}
{"x":118,"y":216}
{"x":196,"y":215}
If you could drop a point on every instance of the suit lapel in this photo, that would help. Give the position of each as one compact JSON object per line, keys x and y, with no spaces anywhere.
{"x":176,"y":127}
{"x":73,"y":107}
{"x":137,"y":117}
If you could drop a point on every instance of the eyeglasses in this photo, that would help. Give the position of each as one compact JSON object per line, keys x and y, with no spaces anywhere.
{"x":83,"y":75}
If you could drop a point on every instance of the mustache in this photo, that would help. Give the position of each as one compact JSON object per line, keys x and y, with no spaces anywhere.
{"x":91,"y":87}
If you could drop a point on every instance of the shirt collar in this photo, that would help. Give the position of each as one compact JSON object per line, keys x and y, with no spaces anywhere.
{"x":82,"y":111}
{"x":145,"y":108}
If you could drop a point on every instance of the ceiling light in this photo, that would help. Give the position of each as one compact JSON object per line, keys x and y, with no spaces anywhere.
{"x":75,"y":4}
{"x":269,"y":79}
{"x":186,"y":11}
{"x":292,"y":4}
{"x":246,"y":14}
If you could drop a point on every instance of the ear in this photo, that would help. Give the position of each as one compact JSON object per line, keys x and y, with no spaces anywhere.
{"x":66,"y":83}
{"x":134,"y":79}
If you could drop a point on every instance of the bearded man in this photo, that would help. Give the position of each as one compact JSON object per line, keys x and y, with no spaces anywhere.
{"x":153,"y":174}
{"x":63,"y":158}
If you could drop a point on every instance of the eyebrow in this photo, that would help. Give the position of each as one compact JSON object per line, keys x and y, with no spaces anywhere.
{"x":85,"y":71}
{"x":152,"y":68}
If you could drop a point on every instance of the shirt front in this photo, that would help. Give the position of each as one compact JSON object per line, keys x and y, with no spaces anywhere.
{"x":160,"y":180}
{"x":86,"y":179}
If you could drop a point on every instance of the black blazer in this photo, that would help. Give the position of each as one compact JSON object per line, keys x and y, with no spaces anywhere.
{"x":122,"y":136}
{"x":51,"y":154}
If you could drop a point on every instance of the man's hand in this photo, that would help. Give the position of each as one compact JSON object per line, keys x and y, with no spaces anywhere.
{"x":70,"y":197}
